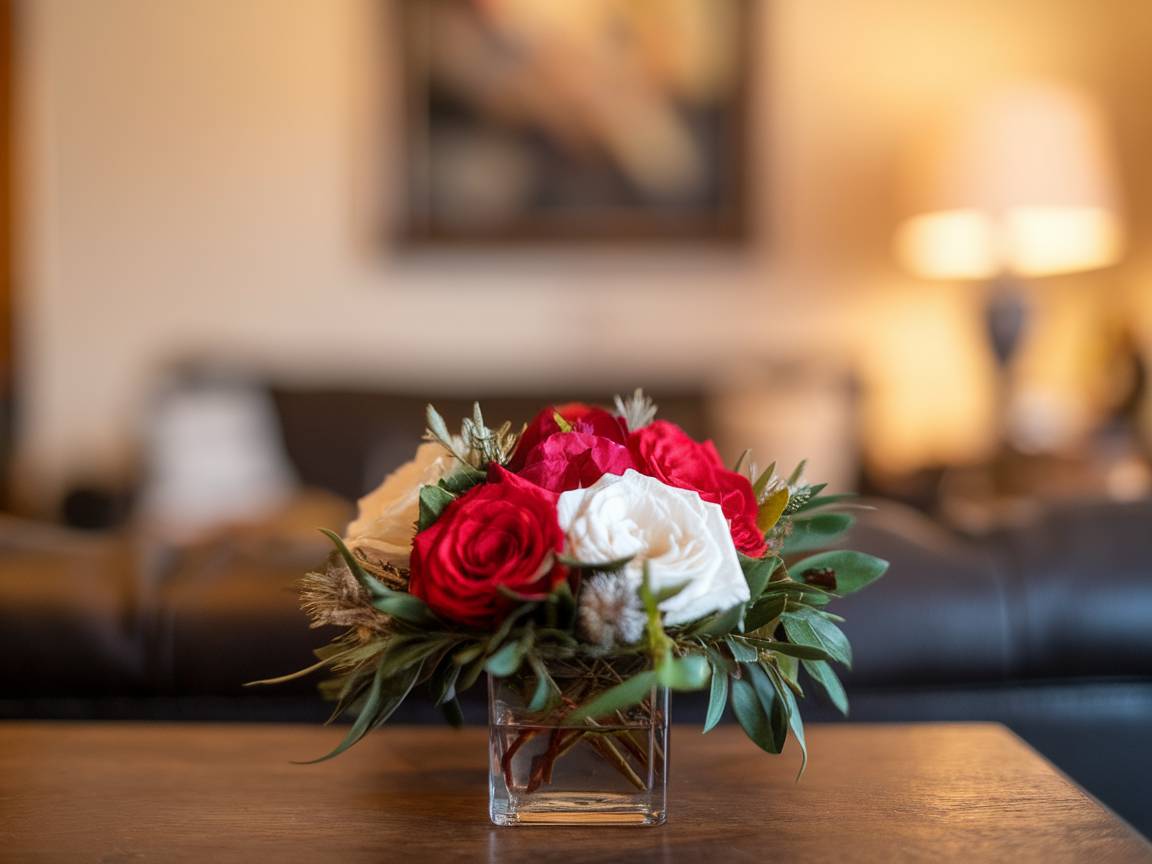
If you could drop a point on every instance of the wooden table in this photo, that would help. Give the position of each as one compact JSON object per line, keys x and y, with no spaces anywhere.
{"x":111,"y":793}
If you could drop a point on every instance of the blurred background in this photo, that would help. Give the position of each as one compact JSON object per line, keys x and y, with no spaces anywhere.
{"x":704,"y":199}
{"x":245,"y":241}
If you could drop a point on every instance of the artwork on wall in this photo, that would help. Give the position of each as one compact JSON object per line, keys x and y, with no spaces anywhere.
{"x":557,"y":120}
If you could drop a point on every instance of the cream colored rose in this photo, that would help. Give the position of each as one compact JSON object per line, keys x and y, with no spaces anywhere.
{"x":683,"y":539}
{"x":387,"y":521}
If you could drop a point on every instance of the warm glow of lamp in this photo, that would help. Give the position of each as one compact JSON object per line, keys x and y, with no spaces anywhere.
{"x":1020,"y":182}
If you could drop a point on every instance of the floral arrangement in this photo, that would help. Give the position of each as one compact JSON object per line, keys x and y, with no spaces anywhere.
{"x":590,"y":543}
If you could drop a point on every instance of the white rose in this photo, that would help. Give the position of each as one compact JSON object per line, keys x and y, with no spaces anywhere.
{"x":683,"y":539}
{"x":386,"y":524}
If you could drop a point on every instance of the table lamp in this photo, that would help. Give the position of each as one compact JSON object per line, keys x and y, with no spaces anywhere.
{"x":1019,"y":183}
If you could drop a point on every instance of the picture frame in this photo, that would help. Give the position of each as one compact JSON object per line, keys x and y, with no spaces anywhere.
{"x":570,"y":121}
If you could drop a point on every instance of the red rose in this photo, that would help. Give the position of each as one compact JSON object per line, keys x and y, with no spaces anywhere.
{"x":663,"y":451}
{"x":503,"y":532}
{"x":582,"y":418}
{"x":574,"y":460}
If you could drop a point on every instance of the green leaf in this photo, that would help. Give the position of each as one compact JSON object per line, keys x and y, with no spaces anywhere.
{"x":795,"y":722}
{"x":718,"y":697}
{"x":816,"y":531}
{"x":368,"y":583}
{"x":854,"y":570}
{"x":452,"y":713}
{"x":787,"y":586}
{"x":815,"y":503}
{"x":757,"y":572}
{"x":407,"y":607}
{"x":762,"y":481}
{"x":740,"y":461}
{"x":668,"y":592}
{"x":560,"y":607}
{"x":459,"y":482}
{"x":804,"y":652}
{"x":719,"y":623}
{"x":469,"y":673}
{"x":800,"y":652}
{"x":564,"y":425}
{"x":828,"y":683}
{"x":742,"y":652}
{"x":789,"y":668}
{"x":404,"y":650}
{"x":383,"y":698}
{"x":433,"y":502}
{"x":683,"y":673}
{"x":605,"y":567}
{"x":508,"y":659}
{"x":758,"y":710}
{"x":547,"y":692}
{"x":798,"y":473}
{"x":467,"y":655}
{"x":443,"y":684}
{"x":764,"y":611}
{"x":624,"y":695}
{"x":807,"y":627}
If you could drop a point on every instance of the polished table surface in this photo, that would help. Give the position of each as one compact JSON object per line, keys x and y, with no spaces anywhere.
{"x":140,"y":792}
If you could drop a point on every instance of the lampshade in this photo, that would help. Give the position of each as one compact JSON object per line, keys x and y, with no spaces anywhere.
{"x":1022,"y":180}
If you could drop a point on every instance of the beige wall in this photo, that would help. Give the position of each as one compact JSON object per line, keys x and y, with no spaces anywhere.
{"x":199,"y":178}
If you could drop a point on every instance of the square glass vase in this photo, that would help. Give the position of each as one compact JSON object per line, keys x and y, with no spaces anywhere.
{"x":610,"y":770}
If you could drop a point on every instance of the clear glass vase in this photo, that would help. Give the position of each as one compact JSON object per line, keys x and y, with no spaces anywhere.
{"x":608,"y":770}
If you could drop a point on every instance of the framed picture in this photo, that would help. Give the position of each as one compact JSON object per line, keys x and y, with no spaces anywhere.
{"x":571,"y":120}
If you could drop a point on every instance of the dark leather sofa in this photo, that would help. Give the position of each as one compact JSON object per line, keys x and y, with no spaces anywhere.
{"x":1047,"y":628}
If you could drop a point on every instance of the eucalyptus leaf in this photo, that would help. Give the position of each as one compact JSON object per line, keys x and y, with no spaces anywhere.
{"x":433,"y":502}
{"x":719,"y":623}
{"x":828,"y":683}
{"x":740,"y":461}
{"x":792,"y":712}
{"x":808,"y":628}
{"x":683,"y":673}
{"x":407,"y":607}
{"x":508,"y":659}
{"x":789,"y":669}
{"x":452,"y":713}
{"x":803,"y":652}
{"x":547,"y":692}
{"x":754,"y":703}
{"x":604,"y":567}
{"x":794,"y":478}
{"x":718,"y":696}
{"x":816,"y":531}
{"x":757,"y":572}
{"x":742,"y":652}
{"x":787,"y":586}
{"x":377,"y":707}
{"x":764,"y":612}
{"x":624,"y":695}
{"x":459,"y":482}
{"x":815,"y":503}
{"x":368,"y":583}
{"x":443,"y":684}
{"x":853,"y":570}
{"x":405,"y":650}
{"x":763,"y":480}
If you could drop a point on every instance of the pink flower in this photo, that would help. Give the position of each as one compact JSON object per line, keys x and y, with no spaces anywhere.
{"x":574,"y":460}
